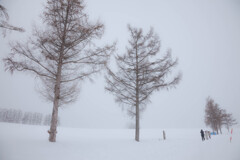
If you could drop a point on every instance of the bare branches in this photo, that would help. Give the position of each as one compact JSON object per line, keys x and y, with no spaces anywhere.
{"x":215,"y":117}
{"x":211,"y":114}
{"x":151,"y":75}
{"x":140,"y":73}
{"x":66,"y":42}
{"x":4,"y":25}
{"x":62,"y":54}
{"x":24,"y":58}
{"x":3,"y":13}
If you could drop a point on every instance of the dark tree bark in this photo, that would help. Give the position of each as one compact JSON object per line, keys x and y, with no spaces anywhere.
{"x":140,"y":73}
{"x":61,"y":55}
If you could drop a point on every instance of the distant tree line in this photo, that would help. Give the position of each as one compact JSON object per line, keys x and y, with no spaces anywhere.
{"x":216,"y":118}
{"x":18,"y":116}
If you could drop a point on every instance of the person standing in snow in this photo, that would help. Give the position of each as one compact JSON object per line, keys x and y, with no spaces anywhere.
{"x":202,"y":135}
{"x":206,"y":135}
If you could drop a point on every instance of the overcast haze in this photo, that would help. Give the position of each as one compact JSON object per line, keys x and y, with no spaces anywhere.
{"x":203,"y":34}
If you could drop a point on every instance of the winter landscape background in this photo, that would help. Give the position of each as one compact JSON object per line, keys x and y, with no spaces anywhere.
{"x":203,"y":35}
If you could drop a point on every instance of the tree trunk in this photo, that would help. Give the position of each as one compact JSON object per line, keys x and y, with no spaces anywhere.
{"x":220,"y":128}
{"x":137,"y":124}
{"x":53,"y":128}
{"x":54,"y":121}
{"x":137,"y":100}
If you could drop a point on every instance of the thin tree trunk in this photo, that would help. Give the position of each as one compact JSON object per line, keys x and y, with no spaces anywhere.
{"x":53,"y":128}
{"x":137,"y":124}
{"x":137,"y":100}
{"x":137,"y":116}
{"x":54,"y":121}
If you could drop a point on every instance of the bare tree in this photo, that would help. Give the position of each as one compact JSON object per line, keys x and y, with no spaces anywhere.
{"x":4,"y":25}
{"x":221,"y":114}
{"x":26,"y":118}
{"x":10,"y":115}
{"x":47,"y":120}
{"x":18,"y":117}
{"x":3,"y":114}
{"x":211,"y":114}
{"x":228,"y":120}
{"x":140,"y":73}
{"x":61,"y":55}
{"x":215,"y":117}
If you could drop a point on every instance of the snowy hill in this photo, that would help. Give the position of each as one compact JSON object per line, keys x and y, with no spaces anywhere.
{"x":25,"y":142}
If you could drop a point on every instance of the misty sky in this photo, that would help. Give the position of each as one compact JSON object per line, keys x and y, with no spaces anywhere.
{"x":203,"y":34}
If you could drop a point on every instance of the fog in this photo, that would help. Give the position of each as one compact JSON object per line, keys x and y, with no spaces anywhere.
{"x":204,"y":35}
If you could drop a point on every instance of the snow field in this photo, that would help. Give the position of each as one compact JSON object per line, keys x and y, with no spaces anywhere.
{"x":25,"y":142}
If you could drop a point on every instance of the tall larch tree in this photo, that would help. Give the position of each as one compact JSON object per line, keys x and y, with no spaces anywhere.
{"x":62,"y":54}
{"x":140,"y":73}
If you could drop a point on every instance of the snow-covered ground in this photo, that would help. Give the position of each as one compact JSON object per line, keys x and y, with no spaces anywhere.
{"x":25,"y":142}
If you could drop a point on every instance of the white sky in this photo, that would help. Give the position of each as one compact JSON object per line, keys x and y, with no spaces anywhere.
{"x":203,"y":34}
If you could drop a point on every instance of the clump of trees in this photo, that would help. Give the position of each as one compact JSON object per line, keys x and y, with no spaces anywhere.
{"x":32,"y":118}
{"x":17,"y":116}
{"x":140,"y":73}
{"x":216,"y":118}
{"x":11,"y":115}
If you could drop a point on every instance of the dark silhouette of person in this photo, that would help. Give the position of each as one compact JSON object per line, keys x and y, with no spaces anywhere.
{"x":202,"y":135}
